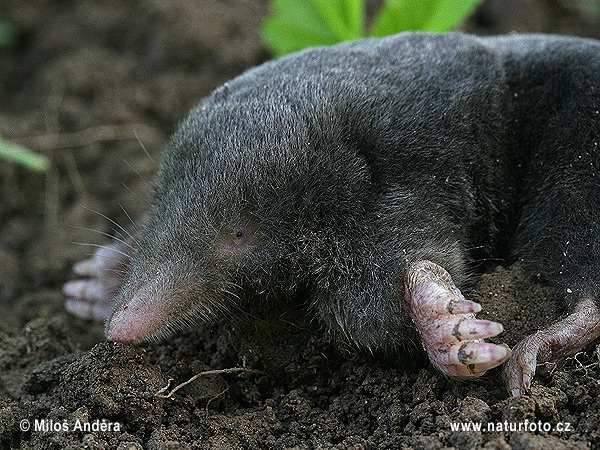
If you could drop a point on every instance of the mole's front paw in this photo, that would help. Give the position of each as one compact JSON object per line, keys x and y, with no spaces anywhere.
{"x":446,"y":322}
{"x":91,"y":297}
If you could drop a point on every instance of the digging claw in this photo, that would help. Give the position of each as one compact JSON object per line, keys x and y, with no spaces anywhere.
{"x":463,"y":307}
{"x":446,"y":322}
{"x":91,"y":297}
{"x":86,"y":310}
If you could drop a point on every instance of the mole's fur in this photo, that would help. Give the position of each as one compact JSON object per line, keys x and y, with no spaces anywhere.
{"x":332,"y":170}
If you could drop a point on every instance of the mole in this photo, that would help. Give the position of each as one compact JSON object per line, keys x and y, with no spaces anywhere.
{"x":372,"y":176}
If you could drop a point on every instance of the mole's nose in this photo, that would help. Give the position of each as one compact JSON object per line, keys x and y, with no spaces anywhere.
{"x":134,"y":320}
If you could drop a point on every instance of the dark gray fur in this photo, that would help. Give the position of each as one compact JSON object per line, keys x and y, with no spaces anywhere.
{"x":355,"y":159}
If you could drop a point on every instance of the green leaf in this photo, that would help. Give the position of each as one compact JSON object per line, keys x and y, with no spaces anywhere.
{"x":7,"y":34}
{"x":332,"y":14}
{"x":449,"y":14}
{"x":396,"y":16}
{"x":355,"y":17}
{"x":24,"y":157}
{"x":421,"y":15}
{"x":297,"y":24}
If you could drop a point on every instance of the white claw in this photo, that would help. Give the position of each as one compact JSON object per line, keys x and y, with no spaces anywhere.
{"x":463,"y":307}
{"x":477,"y":329}
{"x":85,"y":310}
{"x":86,"y":268}
{"x":477,"y":353}
{"x":91,"y":289}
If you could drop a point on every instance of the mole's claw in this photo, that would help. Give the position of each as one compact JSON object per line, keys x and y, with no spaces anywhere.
{"x":102,"y":276}
{"x":89,"y":298}
{"x":86,"y":310}
{"x":460,"y":328}
{"x":89,"y":289}
{"x":483,"y":367}
{"x":527,"y":380}
{"x":87,"y":267}
{"x":470,"y":329}
{"x":494,"y":358}
{"x":446,"y":322}
{"x":463,"y":306}
{"x":520,"y":369}
{"x":468,"y":353}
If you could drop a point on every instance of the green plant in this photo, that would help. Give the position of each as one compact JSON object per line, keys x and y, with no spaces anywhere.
{"x":24,"y":157}
{"x":297,"y":24}
{"x":13,"y":152}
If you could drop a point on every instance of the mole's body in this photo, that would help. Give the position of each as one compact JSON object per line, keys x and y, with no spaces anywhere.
{"x":363,"y":174}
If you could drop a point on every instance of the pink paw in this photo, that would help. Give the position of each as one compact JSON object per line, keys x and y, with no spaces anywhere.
{"x":446,"y":322}
{"x":91,"y":297}
{"x":543,"y":350}
{"x":521,"y":368}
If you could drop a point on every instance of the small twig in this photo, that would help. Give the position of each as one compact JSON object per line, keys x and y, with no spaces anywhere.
{"x":579,"y":365}
{"x":214,"y":398}
{"x":169,"y":383}
{"x":201,"y":374}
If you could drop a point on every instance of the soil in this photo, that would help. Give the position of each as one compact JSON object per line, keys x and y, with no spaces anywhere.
{"x":98,"y":87}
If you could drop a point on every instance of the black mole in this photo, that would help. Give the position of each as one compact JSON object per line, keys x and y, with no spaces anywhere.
{"x":363,"y":174}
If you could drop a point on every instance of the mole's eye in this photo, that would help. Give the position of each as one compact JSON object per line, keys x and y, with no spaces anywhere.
{"x":239,"y":239}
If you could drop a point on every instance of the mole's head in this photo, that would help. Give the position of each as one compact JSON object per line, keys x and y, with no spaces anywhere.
{"x":244,"y":200}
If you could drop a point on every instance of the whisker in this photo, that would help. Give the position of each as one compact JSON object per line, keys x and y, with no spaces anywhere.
{"x":139,"y":140}
{"x":216,"y":301}
{"x":215,"y":305}
{"x":488,"y":259}
{"x":127,"y":187}
{"x":146,"y":200}
{"x":114,"y":223}
{"x":135,"y":227}
{"x":478,"y":247}
{"x":137,"y":172}
{"x":231,"y":283}
{"x":122,"y":241}
{"x":120,"y":272}
{"x":104,"y":247}
{"x":225,"y":291}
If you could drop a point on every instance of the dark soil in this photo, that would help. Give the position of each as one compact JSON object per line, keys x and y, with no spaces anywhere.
{"x":93,"y":85}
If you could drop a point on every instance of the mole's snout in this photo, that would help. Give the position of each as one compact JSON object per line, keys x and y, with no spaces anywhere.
{"x":140,"y":311}
{"x":156,"y":308}
{"x":133,"y":321}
